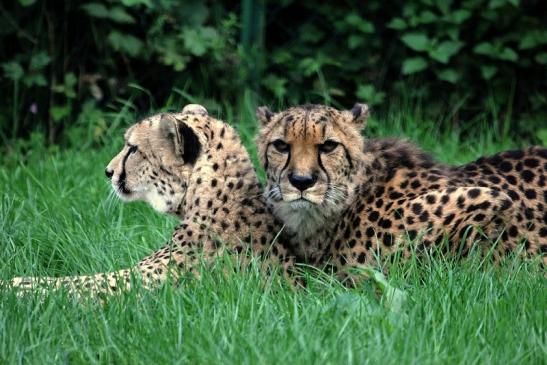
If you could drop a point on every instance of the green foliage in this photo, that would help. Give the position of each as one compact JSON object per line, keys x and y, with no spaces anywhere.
{"x":66,"y":57}
{"x":452,"y":58}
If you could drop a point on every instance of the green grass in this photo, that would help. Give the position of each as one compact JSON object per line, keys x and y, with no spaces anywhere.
{"x":57,"y":217}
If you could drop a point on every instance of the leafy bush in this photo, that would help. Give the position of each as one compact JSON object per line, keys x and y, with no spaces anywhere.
{"x":461,"y":56}
{"x":71,"y":63}
{"x":67,"y":58}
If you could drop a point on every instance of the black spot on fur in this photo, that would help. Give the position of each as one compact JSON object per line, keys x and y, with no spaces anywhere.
{"x":412,"y":234}
{"x":505,"y":166}
{"x":527,"y":175}
{"x":417,"y":208}
{"x":388,"y":239}
{"x":448,"y":219}
{"x":430,"y":199}
{"x":530,"y":194}
{"x":473,"y":193}
{"x":516,"y":154}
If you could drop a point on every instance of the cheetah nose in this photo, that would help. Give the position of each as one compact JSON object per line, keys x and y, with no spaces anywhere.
{"x":302,"y":182}
{"x":108,"y":173}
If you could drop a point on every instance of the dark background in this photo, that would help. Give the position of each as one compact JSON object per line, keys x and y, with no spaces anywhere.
{"x":69,"y":68}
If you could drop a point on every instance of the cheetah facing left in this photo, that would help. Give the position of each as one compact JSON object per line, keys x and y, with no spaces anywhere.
{"x":195,"y":167}
{"x":348,"y":201}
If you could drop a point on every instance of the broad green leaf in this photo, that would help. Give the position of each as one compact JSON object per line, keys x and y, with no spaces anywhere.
{"x":209,"y":34}
{"x":13,"y":70}
{"x":130,"y":3}
{"x":393,"y":298}
{"x":508,"y":55}
{"x":193,"y":43}
{"x":282,"y":56}
{"x":198,"y":40}
{"x":449,"y":75}
{"x":541,"y":58}
{"x":359,"y":23}
{"x":34,"y":79}
{"x":27,"y":2}
{"x":427,"y":17}
{"x":58,"y":88}
{"x":416,"y":41}
{"x":486,"y":49}
{"x":277,"y":85}
{"x":354,"y":41}
{"x":413,"y":65}
{"x":488,"y":72}
{"x":171,"y":55}
{"x":96,"y":10}
{"x":542,"y":135}
{"x":119,"y":15}
{"x":125,"y":43}
{"x":397,"y":23}
{"x":369,"y":94}
{"x":193,"y":13}
{"x":70,"y":79}
{"x":445,"y":50}
{"x":39,"y":61}
{"x":533,"y":39}
{"x":59,"y":112}
{"x":70,"y":82}
{"x":452,"y":31}
{"x":309,"y":66}
{"x":310,"y":33}
{"x":494,"y":4}
{"x":459,"y":16}
{"x":348,"y":302}
{"x":443,"y":6}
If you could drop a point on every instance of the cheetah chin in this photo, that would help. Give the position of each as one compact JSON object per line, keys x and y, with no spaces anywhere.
{"x":302,"y":217}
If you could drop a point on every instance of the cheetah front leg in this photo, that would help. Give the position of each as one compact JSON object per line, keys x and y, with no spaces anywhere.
{"x":190,"y":247}
{"x":95,"y":284}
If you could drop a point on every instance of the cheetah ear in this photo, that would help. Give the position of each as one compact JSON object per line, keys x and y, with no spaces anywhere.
{"x":182,"y":139}
{"x":358,"y":114}
{"x":264,"y":114}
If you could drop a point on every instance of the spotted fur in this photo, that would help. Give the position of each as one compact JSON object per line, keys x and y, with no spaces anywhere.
{"x":193,"y":166}
{"x":365,"y":199}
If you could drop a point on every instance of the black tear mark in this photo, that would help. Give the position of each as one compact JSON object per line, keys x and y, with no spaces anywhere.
{"x":286,"y":163}
{"x":348,"y":157}
{"x":323,"y":167}
{"x":123,"y":174}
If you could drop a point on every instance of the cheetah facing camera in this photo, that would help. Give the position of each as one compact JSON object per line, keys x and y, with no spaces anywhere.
{"x":348,"y":200}
{"x":193,"y":166}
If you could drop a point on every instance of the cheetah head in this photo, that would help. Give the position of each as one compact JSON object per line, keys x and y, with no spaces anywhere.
{"x":157,"y":160}
{"x":312,"y":155}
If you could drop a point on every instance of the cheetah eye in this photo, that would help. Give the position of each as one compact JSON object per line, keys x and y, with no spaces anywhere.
{"x":281,"y":146}
{"x":132,"y":149}
{"x":328,"y":146}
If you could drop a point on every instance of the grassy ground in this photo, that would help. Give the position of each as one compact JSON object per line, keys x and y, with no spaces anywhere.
{"x":57,"y":217}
